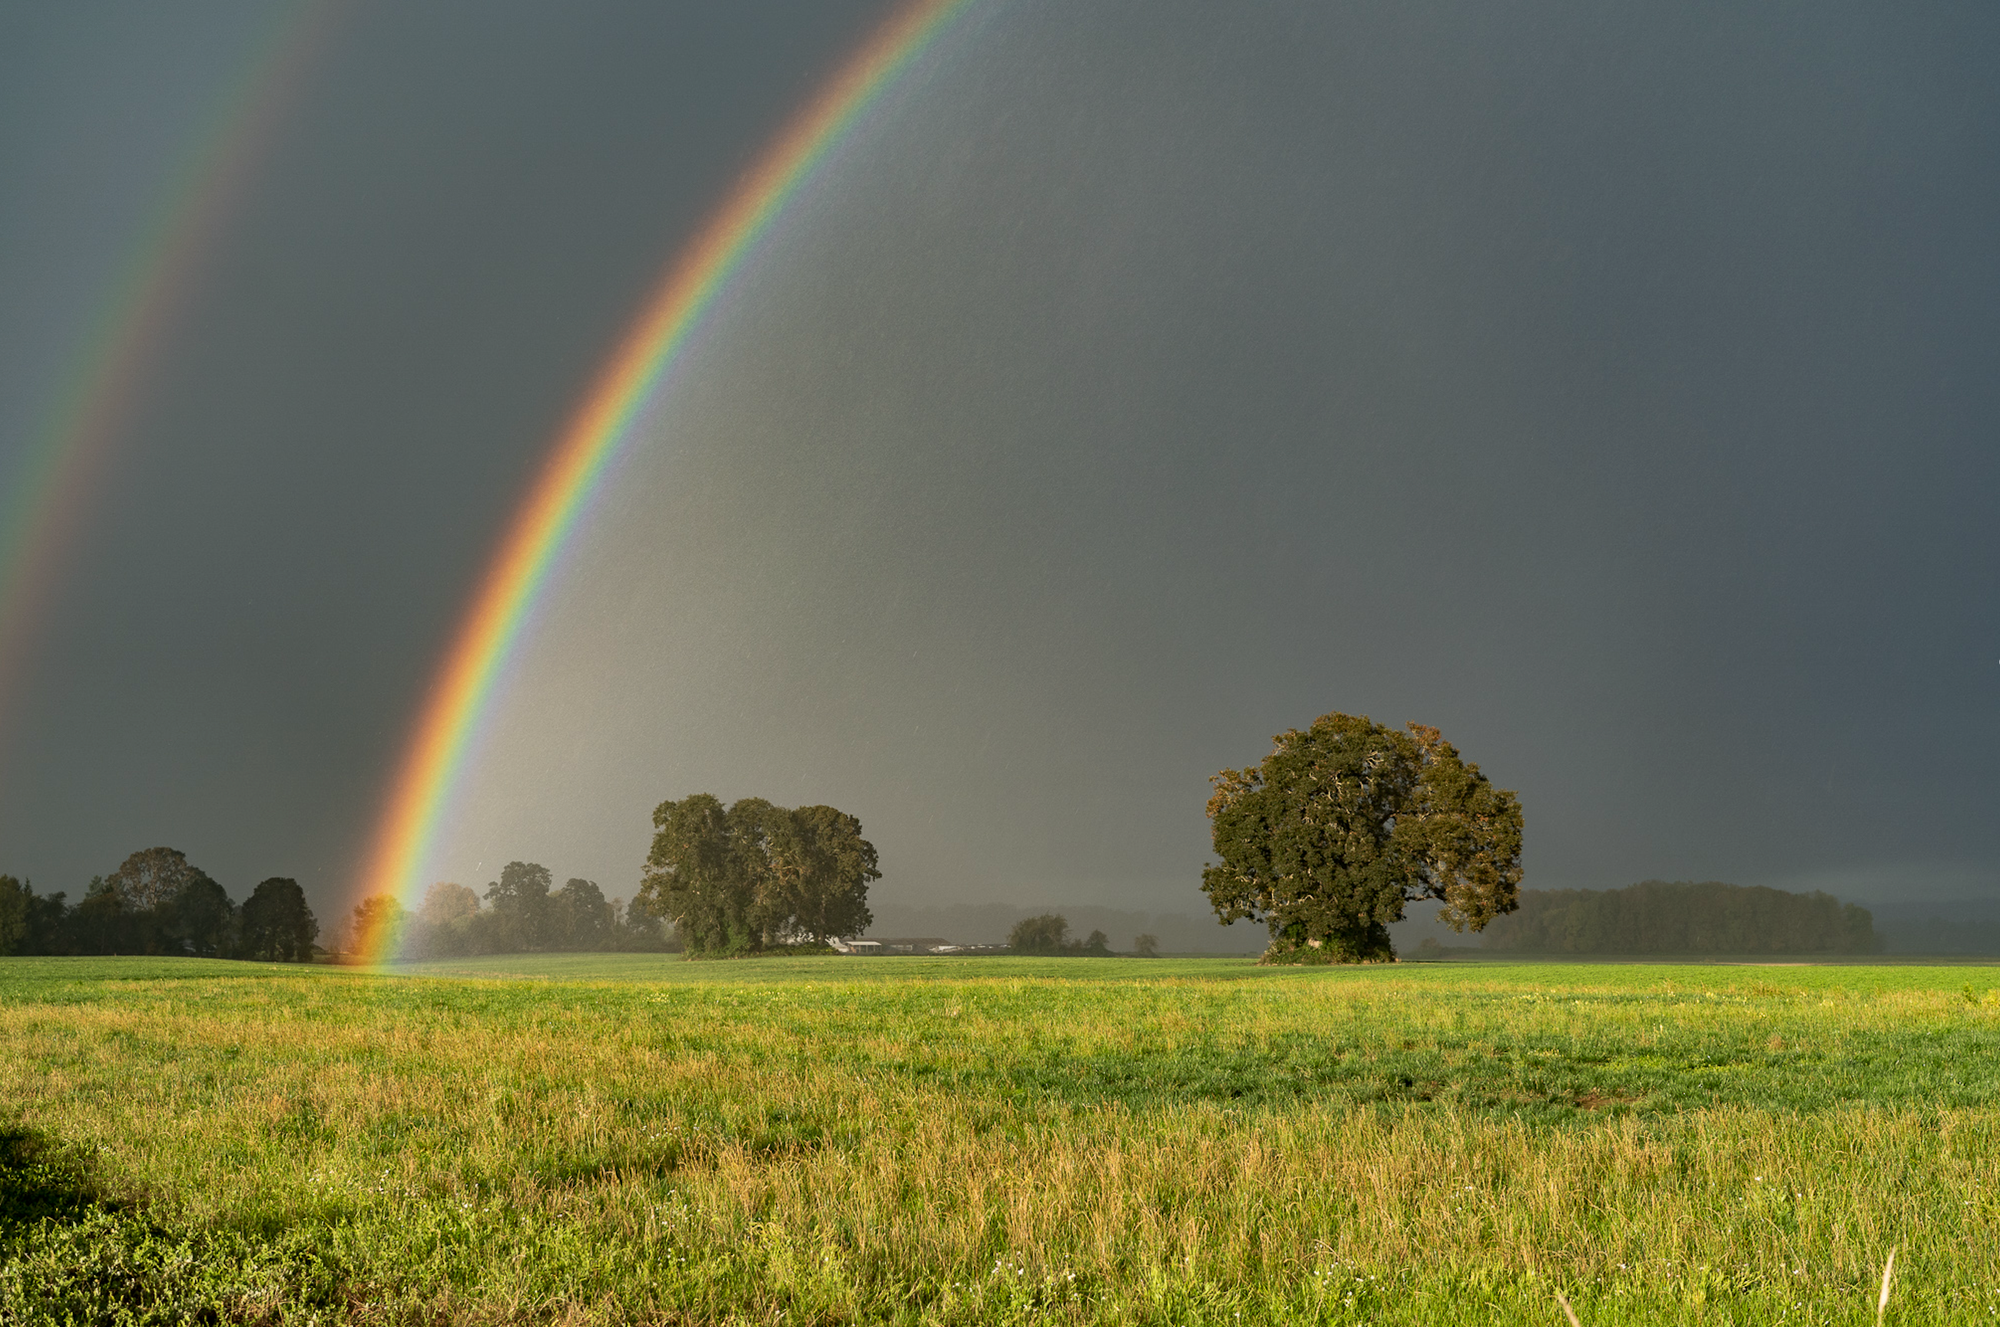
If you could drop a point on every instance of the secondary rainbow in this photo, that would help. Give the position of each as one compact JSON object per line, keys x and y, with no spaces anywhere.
{"x":46,"y":496}
{"x":600,"y":427}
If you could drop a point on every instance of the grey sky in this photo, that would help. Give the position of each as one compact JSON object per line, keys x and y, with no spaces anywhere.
{"x":1613,"y":388}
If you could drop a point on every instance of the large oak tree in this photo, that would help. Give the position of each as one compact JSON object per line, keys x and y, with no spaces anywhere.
{"x":1344,"y":824}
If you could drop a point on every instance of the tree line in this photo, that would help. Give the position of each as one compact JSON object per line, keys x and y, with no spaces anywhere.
{"x":524,"y":912}
{"x":750,"y":878}
{"x":157,"y":902}
{"x":1683,"y":917}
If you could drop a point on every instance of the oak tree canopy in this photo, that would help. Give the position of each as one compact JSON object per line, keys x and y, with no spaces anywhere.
{"x":1346,"y":822}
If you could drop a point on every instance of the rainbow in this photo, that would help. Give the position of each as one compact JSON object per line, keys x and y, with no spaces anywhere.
{"x":601,"y":427}
{"x":46,"y":496}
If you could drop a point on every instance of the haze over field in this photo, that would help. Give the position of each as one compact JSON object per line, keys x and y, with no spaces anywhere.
{"x":1613,"y":390}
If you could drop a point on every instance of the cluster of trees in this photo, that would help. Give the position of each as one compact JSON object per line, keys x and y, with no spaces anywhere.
{"x":754,"y":877}
{"x":1680,"y":917}
{"x":524,"y":913}
{"x":157,"y":902}
{"x":1345,"y":823}
{"x":1049,"y":934}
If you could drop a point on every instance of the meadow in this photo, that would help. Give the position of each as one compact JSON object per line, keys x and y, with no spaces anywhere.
{"x":633,"y":1138}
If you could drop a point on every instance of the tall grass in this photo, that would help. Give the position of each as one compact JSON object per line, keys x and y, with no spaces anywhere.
{"x":1057,"y":1142}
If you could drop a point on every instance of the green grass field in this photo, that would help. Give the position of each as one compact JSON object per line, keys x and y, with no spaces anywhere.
{"x":638,"y":1139}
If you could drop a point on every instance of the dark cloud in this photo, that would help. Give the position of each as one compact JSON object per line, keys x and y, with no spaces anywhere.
{"x":1611,"y":388}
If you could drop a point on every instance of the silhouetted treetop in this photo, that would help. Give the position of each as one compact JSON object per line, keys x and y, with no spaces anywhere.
{"x":151,"y":879}
{"x":277,"y":923}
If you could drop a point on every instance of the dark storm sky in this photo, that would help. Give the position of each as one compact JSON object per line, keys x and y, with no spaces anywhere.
{"x":1612,"y":386}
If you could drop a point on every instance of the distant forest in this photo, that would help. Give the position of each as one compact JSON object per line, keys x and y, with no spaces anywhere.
{"x":1680,"y":917}
{"x":524,"y":912}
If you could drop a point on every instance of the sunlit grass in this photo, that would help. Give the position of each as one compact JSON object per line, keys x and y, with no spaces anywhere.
{"x":638,"y":1138}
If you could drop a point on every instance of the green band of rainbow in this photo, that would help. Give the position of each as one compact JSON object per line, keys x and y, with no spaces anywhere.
{"x":478,"y":653}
